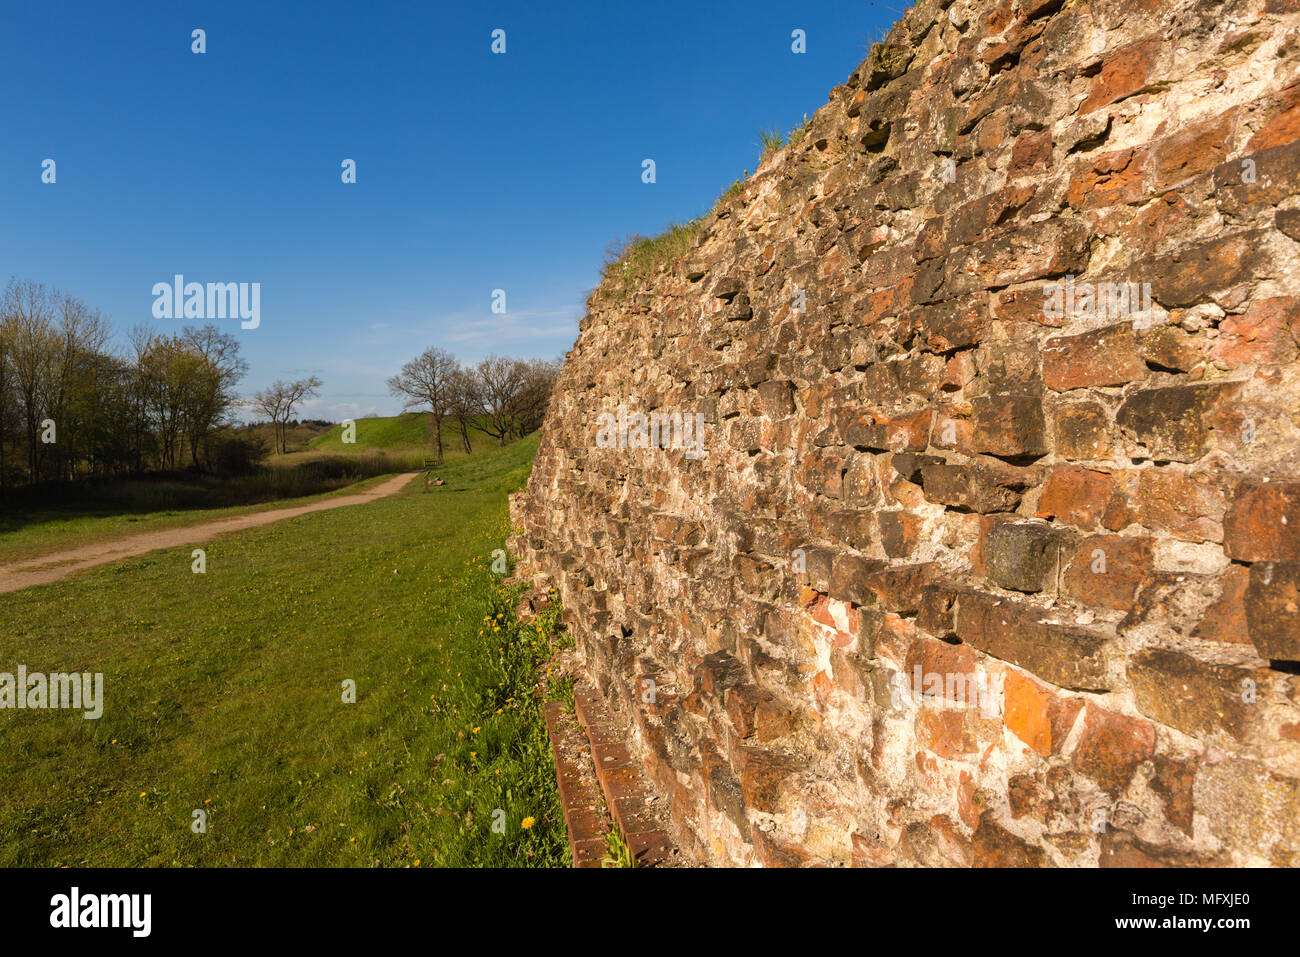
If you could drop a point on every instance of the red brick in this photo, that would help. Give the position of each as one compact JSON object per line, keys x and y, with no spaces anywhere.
{"x":1123,"y":74}
{"x":1066,"y":655}
{"x":1032,"y":151}
{"x":1101,"y":357}
{"x":1155,"y":221}
{"x":1083,"y":497}
{"x":1024,"y":304}
{"x":1171,"y":347}
{"x":773,"y":720}
{"x":1107,"y":570}
{"x":887,"y":302}
{"x":950,"y":842}
{"x":995,"y":846}
{"x":981,"y":487}
{"x":765,"y":779}
{"x":1174,"y":782}
{"x":870,"y":851}
{"x":1110,"y":179}
{"x":935,"y":657}
{"x":1193,"y":150}
{"x":819,"y":609}
{"x":1036,"y":715}
{"x":1174,"y":422}
{"x":1225,"y":619}
{"x":1111,"y":748}
{"x":1025,"y":705}
{"x":1119,"y":849}
{"x":1273,"y":610}
{"x":1283,"y":127}
{"x":1185,"y":505}
{"x":943,"y":732}
{"x":900,"y":532}
{"x":741,"y":702}
{"x":1194,"y":696}
{"x":1007,"y":424}
{"x":1263,"y":523}
{"x":899,"y":587}
{"x":1082,"y":431}
{"x":1263,"y":335}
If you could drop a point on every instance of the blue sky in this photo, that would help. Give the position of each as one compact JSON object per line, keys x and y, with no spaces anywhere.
{"x":475,"y":171}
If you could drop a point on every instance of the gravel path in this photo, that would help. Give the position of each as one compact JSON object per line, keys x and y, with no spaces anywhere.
{"x":57,"y":565}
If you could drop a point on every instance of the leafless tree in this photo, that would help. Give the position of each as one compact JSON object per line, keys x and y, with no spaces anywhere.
{"x":276,"y":402}
{"x":534,"y":394}
{"x":426,"y":381}
{"x":500,"y":381}
{"x":464,"y":402}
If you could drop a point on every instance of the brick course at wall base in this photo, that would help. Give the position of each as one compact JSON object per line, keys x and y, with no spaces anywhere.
{"x":926,"y":470}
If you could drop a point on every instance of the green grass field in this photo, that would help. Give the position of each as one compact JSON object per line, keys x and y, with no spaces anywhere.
{"x":223,"y":693}
{"x":325,"y":465}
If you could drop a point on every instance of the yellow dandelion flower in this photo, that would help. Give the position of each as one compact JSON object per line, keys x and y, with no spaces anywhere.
{"x":527,"y":822}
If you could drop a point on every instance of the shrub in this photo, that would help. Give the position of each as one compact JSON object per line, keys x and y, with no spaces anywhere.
{"x":232,"y":453}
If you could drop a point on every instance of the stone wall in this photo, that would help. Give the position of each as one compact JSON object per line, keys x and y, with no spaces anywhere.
{"x":985,"y":559}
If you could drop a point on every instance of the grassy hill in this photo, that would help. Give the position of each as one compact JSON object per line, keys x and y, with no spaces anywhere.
{"x":410,"y":430}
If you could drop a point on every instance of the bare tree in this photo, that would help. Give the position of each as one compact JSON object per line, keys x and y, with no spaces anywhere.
{"x":426,"y":380}
{"x":270,"y":403}
{"x":464,"y":402}
{"x":500,"y":381}
{"x":298,"y":390}
{"x":277,"y":401}
{"x":534,"y":394}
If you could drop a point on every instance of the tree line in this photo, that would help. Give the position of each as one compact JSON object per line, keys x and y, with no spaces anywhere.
{"x":72,"y":406}
{"x":500,"y":397}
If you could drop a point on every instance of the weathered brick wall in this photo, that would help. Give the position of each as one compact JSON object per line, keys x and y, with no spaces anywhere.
{"x":942,"y":471}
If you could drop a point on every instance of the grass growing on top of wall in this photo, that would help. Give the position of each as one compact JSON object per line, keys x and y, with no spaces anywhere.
{"x":772,"y":141}
{"x":630,"y":263}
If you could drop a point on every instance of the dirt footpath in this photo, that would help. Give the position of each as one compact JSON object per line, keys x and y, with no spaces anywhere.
{"x":57,"y":565}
